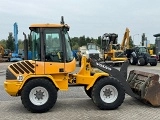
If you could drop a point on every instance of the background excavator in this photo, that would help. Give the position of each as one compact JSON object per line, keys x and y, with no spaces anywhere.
{"x":52,"y":68}
{"x":112,"y":50}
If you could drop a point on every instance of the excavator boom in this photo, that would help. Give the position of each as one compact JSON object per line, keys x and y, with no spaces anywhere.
{"x":125,"y":41}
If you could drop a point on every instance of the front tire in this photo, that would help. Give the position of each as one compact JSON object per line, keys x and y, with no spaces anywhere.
{"x":39,"y":95}
{"x":132,"y":60}
{"x":88,"y":92}
{"x":108,"y":93}
{"x":141,"y":62}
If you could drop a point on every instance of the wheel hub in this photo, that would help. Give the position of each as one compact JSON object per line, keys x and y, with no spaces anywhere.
{"x":39,"y":95}
{"x":107,"y":93}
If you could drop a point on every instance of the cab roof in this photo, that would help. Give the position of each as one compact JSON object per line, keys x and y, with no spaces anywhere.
{"x":48,"y":25}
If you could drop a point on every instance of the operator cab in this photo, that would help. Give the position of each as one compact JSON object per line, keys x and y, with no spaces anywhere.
{"x":141,"y":49}
{"x":50,"y":47}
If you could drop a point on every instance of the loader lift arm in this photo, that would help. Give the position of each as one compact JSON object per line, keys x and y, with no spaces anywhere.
{"x":120,"y":75}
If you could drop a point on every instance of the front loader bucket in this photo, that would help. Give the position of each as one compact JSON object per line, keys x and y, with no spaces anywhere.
{"x":146,"y":86}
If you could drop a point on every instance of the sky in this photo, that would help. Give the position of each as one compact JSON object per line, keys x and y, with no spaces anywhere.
{"x":91,"y":18}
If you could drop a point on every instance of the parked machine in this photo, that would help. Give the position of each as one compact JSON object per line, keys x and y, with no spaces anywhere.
{"x":37,"y":81}
{"x":15,"y":55}
{"x":139,"y":55}
{"x":90,"y":51}
{"x":157,"y":45}
{"x":112,"y":50}
{"x":5,"y":54}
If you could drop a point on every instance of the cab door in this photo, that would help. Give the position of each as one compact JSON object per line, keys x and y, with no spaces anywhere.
{"x":54,"y":62}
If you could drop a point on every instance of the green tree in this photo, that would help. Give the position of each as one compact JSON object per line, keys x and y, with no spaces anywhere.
{"x":82,"y":41}
{"x":88,"y":40}
{"x":10,"y":42}
{"x":3,"y":43}
{"x":74,"y":43}
{"x":20,"y":44}
{"x":75,"y":47}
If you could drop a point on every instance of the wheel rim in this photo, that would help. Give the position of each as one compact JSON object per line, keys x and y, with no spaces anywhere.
{"x":38,"y":96}
{"x":108,"y":94}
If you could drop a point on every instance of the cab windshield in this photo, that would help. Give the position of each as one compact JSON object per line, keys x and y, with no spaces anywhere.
{"x":68,"y":48}
{"x":142,"y":49}
{"x":92,"y":46}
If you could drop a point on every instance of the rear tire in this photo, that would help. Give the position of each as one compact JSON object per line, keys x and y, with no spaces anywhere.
{"x":153,"y":64}
{"x":108,"y":93}
{"x":39,"y":95}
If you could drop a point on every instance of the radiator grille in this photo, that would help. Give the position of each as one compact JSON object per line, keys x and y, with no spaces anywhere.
{"x":95,"y":56}
{"x":22,"y":67}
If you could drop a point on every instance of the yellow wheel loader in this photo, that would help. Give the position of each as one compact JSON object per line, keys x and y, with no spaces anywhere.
{"x":37,"y":81}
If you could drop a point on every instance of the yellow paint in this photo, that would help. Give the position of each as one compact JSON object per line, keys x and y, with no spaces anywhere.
{"x":59,"y":79}
{"x":47,"y":25}
{"x":12,"y":87}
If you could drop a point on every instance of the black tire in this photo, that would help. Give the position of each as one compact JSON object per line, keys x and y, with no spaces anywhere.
{"x":141,"y":62}
{"x":42,"y":87}
{"x":146,"y":62}
{"x":132,"y":60}
{"x":88,"y":92}
{"x":153,"y":64}
{"x":109,"y":85}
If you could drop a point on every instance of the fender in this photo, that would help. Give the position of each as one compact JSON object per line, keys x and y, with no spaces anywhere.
{"x":36,"y":76}
{"x":134,"y":54}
